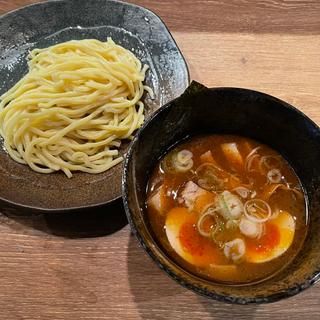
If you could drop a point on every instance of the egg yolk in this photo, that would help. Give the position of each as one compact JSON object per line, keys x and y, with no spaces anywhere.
{"x":267,"y":242}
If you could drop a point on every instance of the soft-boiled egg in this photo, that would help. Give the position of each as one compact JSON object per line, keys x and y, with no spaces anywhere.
{"x":186,"y":241}
{"x":275,"y":241}
{"x":184,"y":238}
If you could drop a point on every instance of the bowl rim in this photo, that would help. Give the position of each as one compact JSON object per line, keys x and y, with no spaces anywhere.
{"x":154,"y":250}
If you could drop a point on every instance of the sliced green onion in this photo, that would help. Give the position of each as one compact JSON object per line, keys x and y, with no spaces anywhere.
{"x":250,"y":229}
{"x":257,"y":210}
{"x":274,"y":175}
{"x":231,"y":205}
{"x":208,"y":213}
{"x":234,"y":249}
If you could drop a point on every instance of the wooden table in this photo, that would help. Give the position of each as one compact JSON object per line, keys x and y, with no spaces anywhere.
{"x":88,"y":266}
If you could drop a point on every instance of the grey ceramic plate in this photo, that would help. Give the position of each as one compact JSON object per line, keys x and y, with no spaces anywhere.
{"x":48,"y":23}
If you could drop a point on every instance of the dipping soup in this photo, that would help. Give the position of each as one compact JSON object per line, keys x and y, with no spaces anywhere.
{"x":227,"y":208}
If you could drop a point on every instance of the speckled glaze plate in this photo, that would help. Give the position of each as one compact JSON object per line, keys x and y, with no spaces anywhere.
{"x":44,"y":24}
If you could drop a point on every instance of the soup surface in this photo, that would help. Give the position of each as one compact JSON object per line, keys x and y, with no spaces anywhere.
{"x":227,"y":208}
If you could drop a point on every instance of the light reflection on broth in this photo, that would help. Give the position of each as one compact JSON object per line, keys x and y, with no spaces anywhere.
{"x":227,"y":208}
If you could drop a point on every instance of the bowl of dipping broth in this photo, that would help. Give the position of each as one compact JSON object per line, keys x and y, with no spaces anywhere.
{"x":221,"y":189}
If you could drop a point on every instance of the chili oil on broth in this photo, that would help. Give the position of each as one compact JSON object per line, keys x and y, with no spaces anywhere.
{"x":180,"y":191}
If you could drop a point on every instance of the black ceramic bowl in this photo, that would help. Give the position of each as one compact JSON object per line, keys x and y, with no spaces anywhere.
{"x":229,"y":111}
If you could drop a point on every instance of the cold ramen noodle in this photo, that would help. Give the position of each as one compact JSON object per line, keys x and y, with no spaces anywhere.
{"x":227,"y":208}
{"x":74,"y":106}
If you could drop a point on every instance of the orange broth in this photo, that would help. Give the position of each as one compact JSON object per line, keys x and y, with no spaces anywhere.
{"x":227,"y":208}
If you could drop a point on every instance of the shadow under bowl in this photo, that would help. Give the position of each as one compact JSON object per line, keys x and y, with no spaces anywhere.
{"x":229,"y":111}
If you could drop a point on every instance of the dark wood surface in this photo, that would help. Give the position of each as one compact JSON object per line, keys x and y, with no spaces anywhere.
{"x":88,"y":265}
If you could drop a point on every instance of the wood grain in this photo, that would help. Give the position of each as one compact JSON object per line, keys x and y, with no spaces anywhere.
{"x":259,"y":16}
{"x":88,"y":266}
